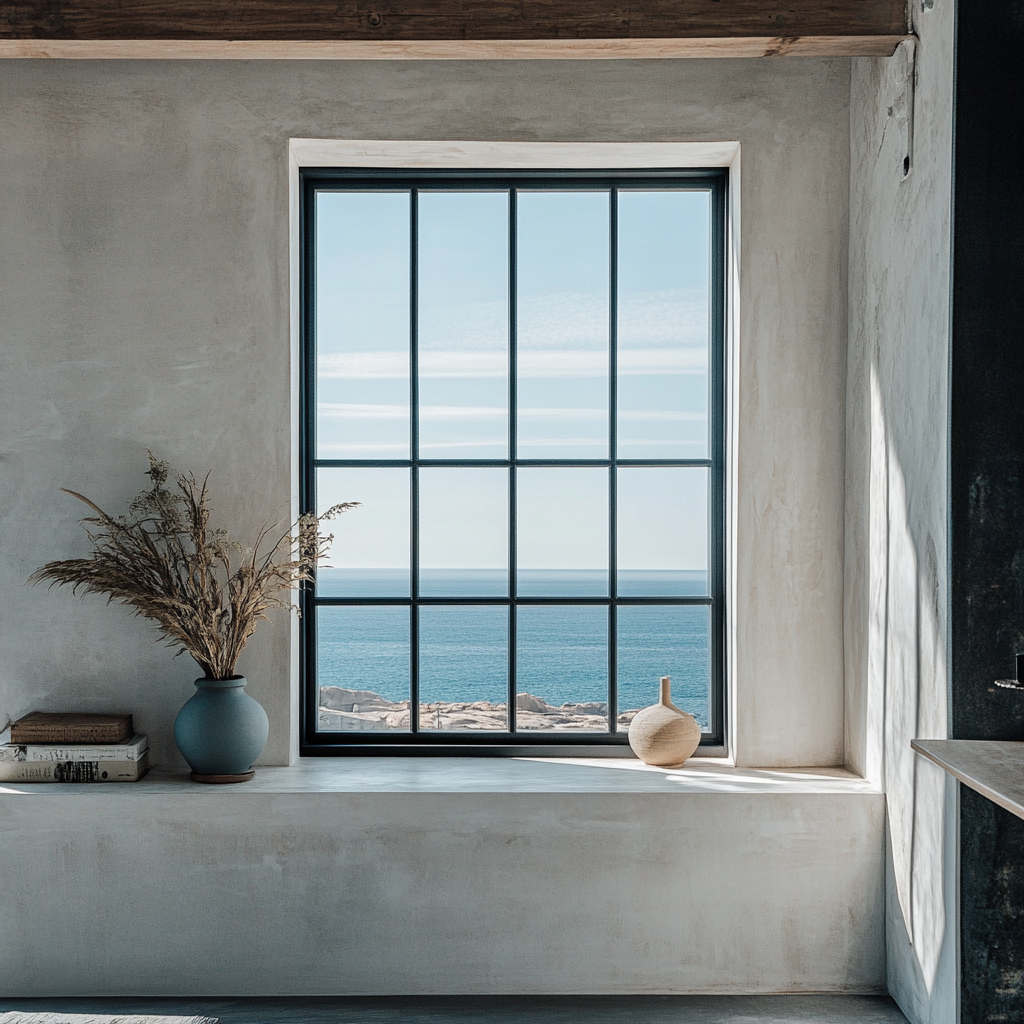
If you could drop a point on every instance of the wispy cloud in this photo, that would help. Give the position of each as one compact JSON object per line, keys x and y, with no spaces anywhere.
{"x":656,"y":442}
{"x":670,"y":317}
{"x":463,"y":412}
{"x":383,"y":450}
{"x":563,"y":414}
{"x":663,"y":416}
{"x":360,"y":450}
{"x":532,"y":364}
{"x":565,"y":320}
{"x":346,"y":411}
{"x":639,"y":362}
{"x":499,"y":442}
{"x":364,"y":449}
{"x":349,"y":411}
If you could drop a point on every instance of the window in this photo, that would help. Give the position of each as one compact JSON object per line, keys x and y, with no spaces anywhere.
{"x":520,"y":376}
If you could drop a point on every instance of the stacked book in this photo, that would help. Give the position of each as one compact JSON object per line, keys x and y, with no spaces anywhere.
{"x":44,"y":747}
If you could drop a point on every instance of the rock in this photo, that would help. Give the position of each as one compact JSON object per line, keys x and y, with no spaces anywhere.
{"x":344,"y":710}
{"x":527,"y":702}
{"x":337,"y":698}
{"x":594,"y":708}
{"x":342,"y":721}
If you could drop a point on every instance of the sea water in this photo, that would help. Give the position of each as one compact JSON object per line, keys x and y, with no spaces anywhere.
{"x":561,"y":651}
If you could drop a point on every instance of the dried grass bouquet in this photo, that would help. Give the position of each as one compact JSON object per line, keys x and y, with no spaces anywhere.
{"x":164,"y":561}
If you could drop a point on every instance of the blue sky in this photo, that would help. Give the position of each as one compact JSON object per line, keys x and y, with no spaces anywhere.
{"x":563,"y":338}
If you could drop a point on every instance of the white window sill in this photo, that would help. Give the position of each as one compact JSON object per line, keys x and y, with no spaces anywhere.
{"x":354,"y":775}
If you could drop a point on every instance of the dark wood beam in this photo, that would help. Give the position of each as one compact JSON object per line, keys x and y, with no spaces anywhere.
{"x":412,"y":27}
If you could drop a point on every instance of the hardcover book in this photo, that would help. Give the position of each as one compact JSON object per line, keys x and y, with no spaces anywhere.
{"x":72,"y":728}
{"x":130,"y":751}
{"x":74,"y":771}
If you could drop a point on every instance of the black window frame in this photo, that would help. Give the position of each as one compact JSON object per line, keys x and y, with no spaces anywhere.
{"x":477,"y":742}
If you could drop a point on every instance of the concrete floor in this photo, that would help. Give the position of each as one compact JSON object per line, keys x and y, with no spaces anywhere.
{"x":823,"y":1009}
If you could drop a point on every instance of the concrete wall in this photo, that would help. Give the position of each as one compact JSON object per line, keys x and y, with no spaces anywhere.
{"x":897,"y":493}
{"x":357,"y":878}
{"x":144,"y":303}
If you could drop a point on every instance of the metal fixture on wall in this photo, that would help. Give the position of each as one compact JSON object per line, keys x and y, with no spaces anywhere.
{"x":1018,"y":683}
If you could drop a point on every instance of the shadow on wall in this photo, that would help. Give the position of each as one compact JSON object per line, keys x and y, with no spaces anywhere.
{"x":909,"y":639}
{"x":906,"y":698}
{"x":897,"y":493}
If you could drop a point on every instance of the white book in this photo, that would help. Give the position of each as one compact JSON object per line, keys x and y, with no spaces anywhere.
{"x":74,"y":771}
{"x":31,"y":752}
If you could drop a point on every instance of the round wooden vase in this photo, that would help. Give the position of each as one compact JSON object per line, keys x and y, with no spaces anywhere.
{"x":663,"y":735}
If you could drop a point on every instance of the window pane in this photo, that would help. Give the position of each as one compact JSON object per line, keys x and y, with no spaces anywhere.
{"x":562,"y":543}
{"x":463,"y":325}
{"x":562,"y":325}
{"x":656,"y":641}
{"x":663,"y":532}
{"x":463,"y":667}
{"x":362,"y":669}
{"x":464,"y":532}
{"x":663,"y":324}
{"x":370,"y":553}
{"x":562,"y":668}
{"x":362,"y":325}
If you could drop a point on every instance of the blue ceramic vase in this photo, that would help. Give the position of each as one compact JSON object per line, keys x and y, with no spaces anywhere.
{"x":221,"y":729}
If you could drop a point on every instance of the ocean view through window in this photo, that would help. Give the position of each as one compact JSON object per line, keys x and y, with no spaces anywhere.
{"x":521,"y":378}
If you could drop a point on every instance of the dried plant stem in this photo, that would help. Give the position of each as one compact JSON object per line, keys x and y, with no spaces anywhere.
{"x":164,"y":561}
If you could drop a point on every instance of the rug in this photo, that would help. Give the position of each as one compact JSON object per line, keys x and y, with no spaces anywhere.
{"x":17,"y":1017}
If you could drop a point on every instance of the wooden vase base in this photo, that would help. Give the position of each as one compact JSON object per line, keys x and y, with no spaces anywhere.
{"x":223,"y":780}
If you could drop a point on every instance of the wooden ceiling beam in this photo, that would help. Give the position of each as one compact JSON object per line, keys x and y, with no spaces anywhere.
{"x":527,"y":49}
{"x":447,"y":29}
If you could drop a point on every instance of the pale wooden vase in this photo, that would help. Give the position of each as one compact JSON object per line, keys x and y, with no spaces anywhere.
{"x":662,"y":734}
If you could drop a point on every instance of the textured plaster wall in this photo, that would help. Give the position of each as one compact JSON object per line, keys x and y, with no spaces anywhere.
{"x":144,"y":303}
{"x":440,"y":892}
{"x":897,"y":494}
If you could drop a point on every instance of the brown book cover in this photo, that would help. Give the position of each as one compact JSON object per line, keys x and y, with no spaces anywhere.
{"x":75,"y":727}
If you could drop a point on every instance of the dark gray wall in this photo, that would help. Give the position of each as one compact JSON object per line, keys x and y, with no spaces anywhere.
{"x":987,"y":484}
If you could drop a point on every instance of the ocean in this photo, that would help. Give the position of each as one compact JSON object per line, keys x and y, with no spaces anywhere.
{"x":561,"y":651}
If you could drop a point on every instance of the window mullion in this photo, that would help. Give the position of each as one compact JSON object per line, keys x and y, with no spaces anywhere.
{"x":414,"y":471}
{"x":512,"y":453}
{"x":613,"y":482}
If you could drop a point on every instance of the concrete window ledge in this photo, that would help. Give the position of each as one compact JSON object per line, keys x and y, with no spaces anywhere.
{"x":354,"y":775}
{"x":428,"y":876}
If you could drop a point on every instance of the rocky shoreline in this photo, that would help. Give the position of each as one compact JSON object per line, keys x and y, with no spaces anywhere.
{"x":343,"y":710}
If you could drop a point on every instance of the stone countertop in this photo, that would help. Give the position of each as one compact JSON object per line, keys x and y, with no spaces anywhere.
{"x":480,"y":775}
{"x":994,"y":768}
